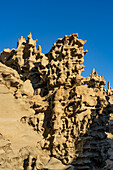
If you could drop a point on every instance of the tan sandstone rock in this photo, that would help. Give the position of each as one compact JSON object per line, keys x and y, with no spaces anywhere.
{"x":51,"y":117}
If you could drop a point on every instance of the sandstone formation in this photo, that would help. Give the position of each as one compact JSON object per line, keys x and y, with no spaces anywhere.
{"x":51,"y":117}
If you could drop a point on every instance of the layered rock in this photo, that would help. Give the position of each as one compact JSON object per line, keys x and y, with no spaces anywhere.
{"x":68,"y":112}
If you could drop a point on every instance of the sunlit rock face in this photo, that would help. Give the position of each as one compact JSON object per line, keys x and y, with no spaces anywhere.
{"x":51,"y":116}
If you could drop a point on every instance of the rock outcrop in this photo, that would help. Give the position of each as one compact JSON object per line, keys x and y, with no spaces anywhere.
{"x":51,"y":116}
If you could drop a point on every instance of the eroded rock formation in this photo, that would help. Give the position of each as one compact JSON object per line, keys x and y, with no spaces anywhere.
{"x":59,"y":119}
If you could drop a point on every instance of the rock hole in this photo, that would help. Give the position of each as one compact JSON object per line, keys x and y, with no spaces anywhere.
{"x":26,"y":164}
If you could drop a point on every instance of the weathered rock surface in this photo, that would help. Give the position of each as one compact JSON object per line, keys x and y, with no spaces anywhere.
{"x":50,"y":116}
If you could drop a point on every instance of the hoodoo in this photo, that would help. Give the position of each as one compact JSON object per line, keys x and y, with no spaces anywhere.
{"x":51,"y":117}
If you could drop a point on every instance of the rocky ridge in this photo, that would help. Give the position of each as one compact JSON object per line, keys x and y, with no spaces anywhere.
{"x":57,"y":118}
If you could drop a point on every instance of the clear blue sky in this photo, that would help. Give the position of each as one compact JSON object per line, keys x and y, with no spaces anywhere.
{"x":48,"y":20}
